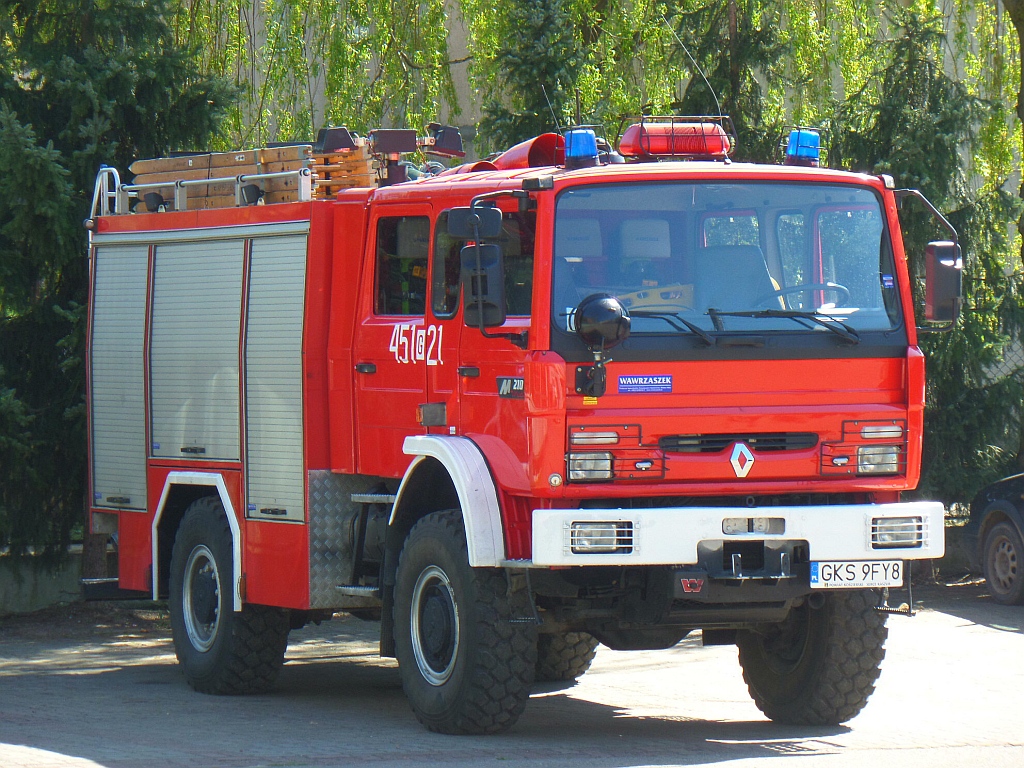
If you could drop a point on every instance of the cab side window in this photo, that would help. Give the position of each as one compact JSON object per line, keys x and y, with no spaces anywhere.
{"x":403,"y":243}
{"x":516,"y":241}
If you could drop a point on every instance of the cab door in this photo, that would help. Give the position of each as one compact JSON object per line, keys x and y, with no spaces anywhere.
{"x":392,"y":350}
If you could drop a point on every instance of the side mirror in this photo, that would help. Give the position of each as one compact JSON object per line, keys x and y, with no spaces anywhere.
{"x":943,"y":265}
{"x":470,"y":223}
{"x":483,"y":284}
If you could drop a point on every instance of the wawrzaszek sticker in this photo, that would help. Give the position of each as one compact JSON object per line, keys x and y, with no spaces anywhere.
{"x":646,"y":384}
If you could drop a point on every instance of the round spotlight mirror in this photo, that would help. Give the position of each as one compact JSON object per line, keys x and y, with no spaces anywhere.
{"x":602,"y":322}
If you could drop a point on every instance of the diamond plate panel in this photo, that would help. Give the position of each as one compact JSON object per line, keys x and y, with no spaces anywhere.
{"x":331,"y":525}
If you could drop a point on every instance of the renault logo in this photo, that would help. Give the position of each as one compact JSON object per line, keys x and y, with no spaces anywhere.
{"x":742,"y":460}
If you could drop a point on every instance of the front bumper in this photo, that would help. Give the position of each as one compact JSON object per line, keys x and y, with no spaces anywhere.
{"x":672,"y":535}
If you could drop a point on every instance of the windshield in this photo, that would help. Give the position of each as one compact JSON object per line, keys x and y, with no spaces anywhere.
{"x":721,"y":257}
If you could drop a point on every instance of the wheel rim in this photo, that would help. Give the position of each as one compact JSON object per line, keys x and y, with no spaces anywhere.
{"x":434,"y":616}
{"x":201,"y":598}
{"x":1004,"y":564}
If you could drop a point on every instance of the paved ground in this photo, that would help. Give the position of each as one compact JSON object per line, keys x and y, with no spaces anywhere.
{"x":99,"y":687}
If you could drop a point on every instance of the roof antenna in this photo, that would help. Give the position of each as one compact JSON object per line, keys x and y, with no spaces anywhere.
{"x":695,"y":66}
{"x":554,"y":117}
{"x":579,"y":110}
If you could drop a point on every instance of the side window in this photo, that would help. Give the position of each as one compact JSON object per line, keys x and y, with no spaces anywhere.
{"x":445,"y":287}
{"x":403,"y":243}
{"x":851,"y":251}
{"x":516,"y":241}
{"x":791,"y":232}
{"x":731,"y":229}
{"x":517,"y":238}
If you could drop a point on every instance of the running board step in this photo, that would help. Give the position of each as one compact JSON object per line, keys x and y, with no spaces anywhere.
{"x":357,"y":591}
{"x":373,"y":498}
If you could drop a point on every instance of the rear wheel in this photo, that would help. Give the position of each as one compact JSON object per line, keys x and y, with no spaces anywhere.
{"x":818,"y":667}
{"x":1003,"y":562}
{"x":467,"y":663}
{"x":565,"y":657}
{"x":220,"y":651}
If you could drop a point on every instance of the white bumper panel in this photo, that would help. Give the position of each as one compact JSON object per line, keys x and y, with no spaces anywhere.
{"x":669,"y":536}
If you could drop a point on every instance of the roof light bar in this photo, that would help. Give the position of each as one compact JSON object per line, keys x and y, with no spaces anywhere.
{"x":672,"y":138}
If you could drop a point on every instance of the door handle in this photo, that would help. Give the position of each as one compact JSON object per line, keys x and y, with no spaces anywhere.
{"x":366,"y":368}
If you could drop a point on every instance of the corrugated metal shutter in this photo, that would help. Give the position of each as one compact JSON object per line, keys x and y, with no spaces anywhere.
{"x":197,"y":300}
{"x":118,"y":415}
{"x":273,"y":378}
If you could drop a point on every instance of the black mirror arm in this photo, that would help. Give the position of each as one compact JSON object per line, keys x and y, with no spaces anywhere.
{"x":900,"y":194}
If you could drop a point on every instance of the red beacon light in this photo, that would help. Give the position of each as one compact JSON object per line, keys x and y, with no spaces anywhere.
{"x":675,"y":139}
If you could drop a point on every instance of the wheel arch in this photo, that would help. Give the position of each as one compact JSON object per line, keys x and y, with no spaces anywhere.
{"x":999,"y":511}
{"x":448,"y":472}
{"x":180,"y":490}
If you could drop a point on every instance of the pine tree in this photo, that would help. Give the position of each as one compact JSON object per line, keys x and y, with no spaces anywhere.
{"x":82,"y":83}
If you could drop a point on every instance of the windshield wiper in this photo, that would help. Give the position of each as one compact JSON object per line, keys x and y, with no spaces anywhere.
{"x":838,"y":327}
{"x":677,"y":322}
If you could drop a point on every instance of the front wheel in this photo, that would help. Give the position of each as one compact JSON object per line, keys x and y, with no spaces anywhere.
{"x":220,"y":651}
{"x":565,"y":657}
{"x":818,"y":667}
{"x":1003,"y":562}
{"x":466,"y":661}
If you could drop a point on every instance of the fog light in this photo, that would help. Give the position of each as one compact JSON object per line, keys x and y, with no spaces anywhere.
{"x":601,"y":537}
{"x":897,"y":532}
{"x":878,"y":459}
{"x":590,"y":466}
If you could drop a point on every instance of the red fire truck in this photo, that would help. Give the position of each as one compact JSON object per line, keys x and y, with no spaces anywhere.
{"x":519,"y":407}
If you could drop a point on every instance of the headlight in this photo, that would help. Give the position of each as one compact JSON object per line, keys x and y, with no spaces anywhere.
{"x":590,"y":466}
{"x":878,"y":459}
{"x":594,"y":438}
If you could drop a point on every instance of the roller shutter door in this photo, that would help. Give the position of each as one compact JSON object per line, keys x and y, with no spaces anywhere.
{"x":194,"y":349}
{"x":273,"y":378}
{"x":117,"y":362}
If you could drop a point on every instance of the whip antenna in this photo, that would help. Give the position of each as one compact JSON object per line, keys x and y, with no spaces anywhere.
{"x":696,"y":66}
{"x":553,"y":115}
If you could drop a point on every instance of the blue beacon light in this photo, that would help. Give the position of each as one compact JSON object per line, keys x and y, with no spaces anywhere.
{"x":580,"y":148}
{"x":803,"y":147}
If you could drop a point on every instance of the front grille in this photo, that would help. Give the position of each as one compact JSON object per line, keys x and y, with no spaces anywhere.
{"x":760,"y":441}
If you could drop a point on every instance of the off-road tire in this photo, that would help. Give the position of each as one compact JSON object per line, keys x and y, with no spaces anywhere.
{"x":476,"y":658}
{"x":561,"y":658}
{"x":819,"y":667}
{"x":232,"y":653}
{"x":1003,"y":563}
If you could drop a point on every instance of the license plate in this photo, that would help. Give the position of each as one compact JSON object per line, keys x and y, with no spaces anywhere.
{"x":859,"y":575}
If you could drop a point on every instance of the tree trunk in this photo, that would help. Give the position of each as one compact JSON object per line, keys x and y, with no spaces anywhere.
{"x":734,"y":60}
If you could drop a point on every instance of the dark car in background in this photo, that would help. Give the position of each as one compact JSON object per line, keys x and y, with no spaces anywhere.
{"x":994,"y":541}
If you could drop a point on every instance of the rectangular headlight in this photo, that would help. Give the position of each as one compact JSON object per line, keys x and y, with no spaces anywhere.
{"x":897,"y":532}
{"x":878,"y":459}
{"x":590,"y":466}
{"x":601,"y":537}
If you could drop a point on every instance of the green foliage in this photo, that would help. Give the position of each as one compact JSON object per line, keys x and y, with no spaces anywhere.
{"x":736,"y":45}
{"x":536,"y":70}
{"x":299,"y":65}
{"x":911,"y":120}
{"x":82,"y":83}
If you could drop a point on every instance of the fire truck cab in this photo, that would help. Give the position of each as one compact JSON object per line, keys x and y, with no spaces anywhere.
{"x":517,"y":408}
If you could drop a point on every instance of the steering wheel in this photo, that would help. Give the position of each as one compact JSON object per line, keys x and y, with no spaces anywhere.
{"x":842,"y":290}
